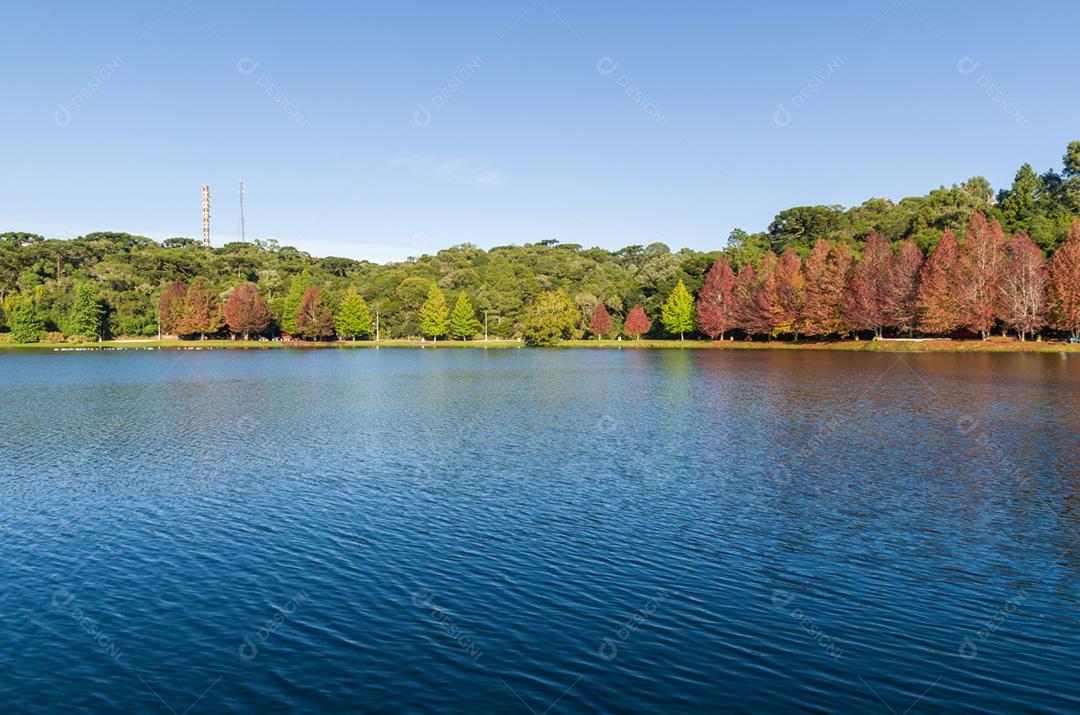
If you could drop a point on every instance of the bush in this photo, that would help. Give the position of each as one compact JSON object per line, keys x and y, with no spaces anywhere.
{"x":54,"y":338}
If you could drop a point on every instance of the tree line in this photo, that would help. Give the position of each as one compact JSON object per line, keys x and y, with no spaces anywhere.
{"x":957,"y":259}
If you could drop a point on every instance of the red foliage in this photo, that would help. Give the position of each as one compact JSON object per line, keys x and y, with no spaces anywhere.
{"x":861,"y":311}
{"x":600,"y":325}
{"x":790,"y":286}
{"x":874,"y":270}
{"x":901,"y":305}
{"x":827,"y":272}
{"x":940,"y":309}
{"x":200,"y":312}
{"x":1023,"y":287}
{"x":979,"y":279}
{"x":637,"y":323}
{"x":1065,"y":283}
{"x":764,"y":318}
{"x":171,"y":306}
{"x":314,"y":321}
{"x":744,"y":306}
{"x":245,"y":311}
{"x":714,"y":309}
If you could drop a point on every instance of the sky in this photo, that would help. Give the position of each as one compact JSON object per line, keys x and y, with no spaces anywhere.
{"x":381,"y":130}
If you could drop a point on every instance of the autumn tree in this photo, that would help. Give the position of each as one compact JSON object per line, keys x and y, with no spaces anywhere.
{"x":827,"y":271}
{"x":902,"y":285}
{"x":790,"y":291}
{"x":1064,"y":294}
{"x":353,"y":319}
{"x":637,"y":323}
{"x":765,"y":316}
{"x":313,"y":319}
{"x":463,"y":322}
{"x":552,"y":318}
{"x":600,"y":323}
{"x":88,"y":311}
{"x":873,"y":270}
{"x":714,"y":315}
{"x":245,"y":311}
{"x":1023,"y":287}
{"x":434,"y":314}
{"x":171,"y":306}
{"x":677,"y":313}
{"x":940,"y":309}
{"x":981,"y":262}
{"x":860,"y":310}
{"x":200,"y":312}
{"x":744,"y":305}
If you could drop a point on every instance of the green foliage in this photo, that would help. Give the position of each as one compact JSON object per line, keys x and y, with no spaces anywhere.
{"x":463,"y":322}
{"x":290,"y":305}
{"x":678,"y":311}
{"x":552,"y":318}
{"x":27,"y":323}
{"x":353,"y":320}
{"x":87,"y":311}
{"x":433,"y":314}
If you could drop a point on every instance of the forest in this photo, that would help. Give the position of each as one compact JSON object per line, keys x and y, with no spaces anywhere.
{"x":962,"y":261}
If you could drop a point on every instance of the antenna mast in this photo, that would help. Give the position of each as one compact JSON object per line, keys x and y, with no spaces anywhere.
{"x":206,"y":215}
{"x":242,"y":238}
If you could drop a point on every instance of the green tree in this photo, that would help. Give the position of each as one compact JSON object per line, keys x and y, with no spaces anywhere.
{"x":353,"y":320}
{"x":27,"y":323}
{"x":677,"y":314}
{"x":463,"y":322}
{"x":290,"y":305}
{"x":88,"y":311}
{"x":551,"y":319}
{"x":433,"y":314}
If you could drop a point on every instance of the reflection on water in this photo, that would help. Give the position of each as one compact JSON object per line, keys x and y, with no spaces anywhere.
{"x":466,"y":530}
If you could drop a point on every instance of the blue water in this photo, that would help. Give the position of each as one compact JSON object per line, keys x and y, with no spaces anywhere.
{"x":538,"y":531}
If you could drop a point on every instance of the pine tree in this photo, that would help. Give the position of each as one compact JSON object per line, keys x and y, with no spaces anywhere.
{"x":433,"y":314}
{"x":314,"y":320}
{"x":600,"y":323}
{"x":677,"y":313}
{"x":88,"y":311}
{"x":245,"y":311}
{"x":1023,"y":287}
{"x":353,"y":318}
{"x":27,"y":323}
{"x":1065,"y":284}
{"x":940,"y":310}
{"x":714,"y":310}
{"x":463,"y":322}
{"x":637,"y":323}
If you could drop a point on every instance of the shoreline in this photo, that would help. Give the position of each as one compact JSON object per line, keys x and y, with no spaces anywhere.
{"x":995,"y":345}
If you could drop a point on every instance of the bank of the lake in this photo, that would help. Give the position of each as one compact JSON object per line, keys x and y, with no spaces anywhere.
{"x":995,"y":344}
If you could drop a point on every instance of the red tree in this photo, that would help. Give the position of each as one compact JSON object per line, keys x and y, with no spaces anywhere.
{"x":1065,"y":283}
{"x":313,"y":320}
{"x":637,"y":323}
{"x":1023,"y":287}
{"x":940,"y":308}
{"x":200,"y":312}
{"x":790,"y":286}
{"x":901,"y":304}
{"x":765,"y":316}
{"x":874,"y":271}
{"x":827,"y":272}
{"x":600,"y":325}
{"x":744,"y":307}
{"x":860,"y":310}
{"x":714,"y":316}
{"x":171,"y":306}
{"x":246,"y":311}
{"x":982,"y":262}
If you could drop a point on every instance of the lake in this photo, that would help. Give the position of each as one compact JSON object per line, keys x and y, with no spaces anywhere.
{"x":545,"y":531}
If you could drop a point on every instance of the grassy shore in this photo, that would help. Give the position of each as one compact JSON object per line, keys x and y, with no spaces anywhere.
{"x":995,"y":344}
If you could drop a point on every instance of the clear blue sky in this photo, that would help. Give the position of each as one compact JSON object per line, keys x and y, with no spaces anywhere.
{"x":116,"y":113}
